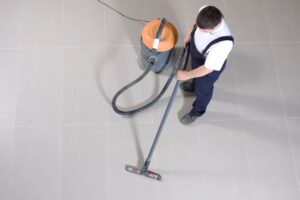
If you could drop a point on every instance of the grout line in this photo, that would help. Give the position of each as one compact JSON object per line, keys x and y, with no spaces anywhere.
{"x":293,"y":117}
{"x":108,"y":162}
{"x":106,"y":110}
{"x":72,"y":46}
{"x":140,"y":122}
{"x":105,"y":26}
{"x":85,"y":124}
{"x":270,"y":42}
{"x":285,"y":42}
{"x":129,"y":45}
{"x":205,"y":186}
{"x":60,"y":163}
{"x":37,"y":126}
{"x":12,"y":183}
{"x":243,"y":135}
{"x":61,"y":101}
{"x":18,"y":64}
{"x":106,"y":79}
{"x":198,"y":143}
{"x":20,"y":24}
{"x":132,"y":45}
{"x":75,"y":124}
{"x":247,"y":161}
{"x":242,"y":119}
{"x":62,"y":33}
{"x":10,"y":48}
{"x":62,"y":46}
{"x":18,"y":69}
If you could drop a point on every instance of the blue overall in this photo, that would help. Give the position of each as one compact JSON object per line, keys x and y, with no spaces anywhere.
{"x":204,"y":85}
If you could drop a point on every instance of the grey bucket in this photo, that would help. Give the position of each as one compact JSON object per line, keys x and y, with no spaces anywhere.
{"x":161,"y":59}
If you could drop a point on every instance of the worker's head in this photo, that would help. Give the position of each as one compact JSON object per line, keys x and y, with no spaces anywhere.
{"x":209,"y":18}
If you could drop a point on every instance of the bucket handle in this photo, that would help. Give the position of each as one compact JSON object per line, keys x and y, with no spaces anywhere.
{"x":158,"y":33}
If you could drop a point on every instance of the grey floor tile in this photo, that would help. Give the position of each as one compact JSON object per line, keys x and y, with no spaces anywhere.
{"x":223,"y":160}
{"x":129,"y":143}
{"x":271,"y":166}
{"x":288,"y":18}
{"x":84,"y":165}
{"x":36,"y":172}
{"x":286,"y":60}
{"x":177,"y":155}
{"x":294,"y":133}
{"x":9,"y":65}
{"x":84,"y":98}
{"x":180,"y":185}
{"x":257,"y":84}
{"x":41,"y":23}
{"x":39,"y":97}
{"x":9,"y":23}
{"x":83,"y":23}
{"x":6,"y":160}
{"x":121,"y":31}
{"x":242,"y":21}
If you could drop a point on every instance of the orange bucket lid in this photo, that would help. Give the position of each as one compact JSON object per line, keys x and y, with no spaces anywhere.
{"x":168,"y":36}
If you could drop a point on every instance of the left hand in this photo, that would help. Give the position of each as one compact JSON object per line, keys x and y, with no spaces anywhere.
{"x":182,"y":75}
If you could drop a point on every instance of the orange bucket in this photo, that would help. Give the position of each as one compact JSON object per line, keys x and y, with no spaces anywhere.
{"x":168,"y":38}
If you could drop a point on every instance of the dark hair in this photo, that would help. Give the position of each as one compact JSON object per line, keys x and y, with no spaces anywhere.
{"x":209,"y":17}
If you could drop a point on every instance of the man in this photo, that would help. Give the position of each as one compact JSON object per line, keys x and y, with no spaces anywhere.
{"x":210,"y":44}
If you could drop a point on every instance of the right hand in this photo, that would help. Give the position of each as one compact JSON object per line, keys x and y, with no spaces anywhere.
{"x":183,"y":75}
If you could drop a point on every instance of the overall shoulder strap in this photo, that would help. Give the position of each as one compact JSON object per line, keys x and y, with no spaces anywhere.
{"x":220,"y":39}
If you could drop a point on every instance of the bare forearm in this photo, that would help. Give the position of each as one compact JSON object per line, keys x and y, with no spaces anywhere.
{"x":195,"y":73}
{"x":199,"y":72}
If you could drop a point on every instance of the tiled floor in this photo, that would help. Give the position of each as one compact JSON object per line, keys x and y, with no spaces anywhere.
{"x":61,"y":62}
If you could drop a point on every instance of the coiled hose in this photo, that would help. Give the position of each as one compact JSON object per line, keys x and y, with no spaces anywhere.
{"x":180,"y":65}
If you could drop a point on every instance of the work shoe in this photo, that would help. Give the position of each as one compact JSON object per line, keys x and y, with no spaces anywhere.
{"x":187,"y":87}
{"x":188,"y":119}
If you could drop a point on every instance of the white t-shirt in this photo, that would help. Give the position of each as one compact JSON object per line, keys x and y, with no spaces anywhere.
{"x":217,"y":53}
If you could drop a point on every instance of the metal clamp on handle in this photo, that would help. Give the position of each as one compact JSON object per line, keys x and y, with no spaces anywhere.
{"x":158,"y":33}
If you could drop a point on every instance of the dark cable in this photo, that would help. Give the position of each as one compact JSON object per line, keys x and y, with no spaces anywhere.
{"x":130,"y":18}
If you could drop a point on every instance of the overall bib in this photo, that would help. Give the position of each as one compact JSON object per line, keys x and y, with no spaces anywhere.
{"x":204,"y":85}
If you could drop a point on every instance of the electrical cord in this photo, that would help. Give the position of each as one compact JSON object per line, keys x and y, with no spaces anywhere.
{"x":123,"y":15}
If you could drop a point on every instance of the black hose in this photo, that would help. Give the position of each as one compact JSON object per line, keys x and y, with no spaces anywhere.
{"x":148,"y":68}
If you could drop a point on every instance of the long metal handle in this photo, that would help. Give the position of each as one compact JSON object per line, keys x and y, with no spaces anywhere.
{"x":163,"y":121}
